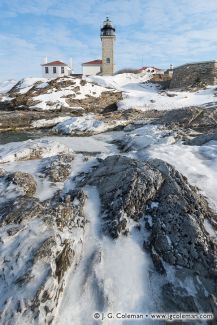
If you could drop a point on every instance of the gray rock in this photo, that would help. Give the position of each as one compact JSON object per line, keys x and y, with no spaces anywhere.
{"x":177,"y":298}
{"x":2,"y":172}
{"x":24,"y":181}
{"x":57,"y":168}
{"x":40,"y":242}
{"x":201,"y":139}
{"x":48,"y":235}
{"x":178,"y":234}
{"x":124,"y":185}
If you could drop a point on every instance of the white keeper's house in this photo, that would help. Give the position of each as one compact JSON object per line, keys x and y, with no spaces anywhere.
{"x":92,"y":68}
{"x":55,"y":69}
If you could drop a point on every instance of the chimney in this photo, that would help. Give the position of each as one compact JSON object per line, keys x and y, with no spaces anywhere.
{"x":45,"y":59}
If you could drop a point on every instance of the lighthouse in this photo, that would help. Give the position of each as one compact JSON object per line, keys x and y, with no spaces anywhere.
{"x":108,"y":42}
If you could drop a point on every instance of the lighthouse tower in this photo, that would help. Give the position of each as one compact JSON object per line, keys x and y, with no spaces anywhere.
{"x":108,"y":42}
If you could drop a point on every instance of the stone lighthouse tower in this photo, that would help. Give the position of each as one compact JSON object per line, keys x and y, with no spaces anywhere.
{"x":108,"y":42}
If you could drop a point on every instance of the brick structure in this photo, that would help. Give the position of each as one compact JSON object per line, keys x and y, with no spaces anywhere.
{"x":190,"y":74}
{"x":108,"y":41}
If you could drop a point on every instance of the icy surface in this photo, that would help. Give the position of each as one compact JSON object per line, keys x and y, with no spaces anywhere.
{"x":209,"y":228}
{"x":112,"y":276}
{"x":30,"y":149}
{"x":85,"y":123}
{"x":198,"y":164}
{"x":49,"y":122}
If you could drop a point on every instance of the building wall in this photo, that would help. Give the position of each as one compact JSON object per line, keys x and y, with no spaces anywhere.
{"x":108,"y":43}
{"x":91,"y":70}
{"x":67,"y":72}
{"x":192,"y":73}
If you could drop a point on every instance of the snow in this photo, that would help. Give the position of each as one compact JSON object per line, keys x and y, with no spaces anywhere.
{"x":121,"y":81}
{"x":30,"y":149}
{"x":42,"y":85}
{"x":6,"y":85}
{"x":27,"y":83}
{"x":148,"y":97}
{"x":138,"y":93}
{"x":91,"y":145}
{"x":87,"y":123}
{"x":111,"y":277}
{"x":209,"y":228}
{"x":154,"y":205}
{"x":194,"y":162}
{"x":54,"y":99}
{"x":145,"y":136}
{"x":45,"y":188}
{"x":49,"y":122}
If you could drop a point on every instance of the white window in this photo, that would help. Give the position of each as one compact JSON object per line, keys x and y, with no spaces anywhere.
{"x":62,"y":70}
{"x":108,"y":60}
{"x":54,"y":70}
{"x":46,"y":70}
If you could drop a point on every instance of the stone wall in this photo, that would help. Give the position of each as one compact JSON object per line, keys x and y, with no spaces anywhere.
{"x":194,"y":73}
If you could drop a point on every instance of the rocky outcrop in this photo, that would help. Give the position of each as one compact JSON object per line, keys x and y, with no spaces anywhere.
{"x":191,"y":117}
{"x":107,"y":102}
{"x":40,"y":241}
{"x":57,"y":168}
{"x":201,"y":139}
{"x":15,"y":120}
{"x":178,"y":234}
{"x":23,"y":181}
{"x":75,"y":96}
{"x":153,"y":193}
{"x":124,"y":185}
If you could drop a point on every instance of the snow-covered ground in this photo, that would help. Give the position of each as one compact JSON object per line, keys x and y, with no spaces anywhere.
{"x":140,"y":94}
{"x":77,"y":90}
{"x":86,"y":123}
{"x":197,"y":163}
{"x":30,"y":149}
{"x":27,"y":83}
{"x":114,"y":275}
{"x":6,"y":85}
{"x":117,"y":270}
{"x":53,"y":98}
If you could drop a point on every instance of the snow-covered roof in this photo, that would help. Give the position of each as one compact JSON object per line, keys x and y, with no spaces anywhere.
{"x":54,"y":63}
{"x":94,"y":62}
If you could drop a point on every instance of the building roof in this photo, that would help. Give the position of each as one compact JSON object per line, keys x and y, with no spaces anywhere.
{"x":55,"y":63}
{"x":94,"y":62}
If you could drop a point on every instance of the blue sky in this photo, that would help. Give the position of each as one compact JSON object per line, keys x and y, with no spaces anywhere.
{"x":149,"y":32}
